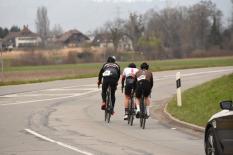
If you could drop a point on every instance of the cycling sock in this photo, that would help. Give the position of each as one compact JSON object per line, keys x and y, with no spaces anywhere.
{"x":138,"y":108}
{"x":147,"y":110}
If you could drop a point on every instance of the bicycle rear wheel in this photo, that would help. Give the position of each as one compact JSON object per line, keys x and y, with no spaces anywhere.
{"x":143,"y":122}
{"x":129,"y":111}
{"x":142,"y":113}
{"x":108,"y":111}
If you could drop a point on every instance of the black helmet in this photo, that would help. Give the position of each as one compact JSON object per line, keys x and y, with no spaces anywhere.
{"x":132,"y":65}
{"x":111,"y":59}
{"x":145,"y":66}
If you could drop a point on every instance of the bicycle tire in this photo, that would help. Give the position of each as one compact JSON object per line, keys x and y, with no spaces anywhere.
{"x":108,"y":111}
{"x":142,"y":113}
{"x":143,"y":122}
{"x":129,"y":110}
{"x":131,"y":120}
{"x":108,"y":117}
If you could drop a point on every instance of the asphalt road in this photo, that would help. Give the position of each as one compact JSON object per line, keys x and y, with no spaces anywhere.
{"x":64,"y":118}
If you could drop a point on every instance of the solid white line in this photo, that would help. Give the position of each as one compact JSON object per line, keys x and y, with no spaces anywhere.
{"x":50,"y":99}
{"x":57,"y":142}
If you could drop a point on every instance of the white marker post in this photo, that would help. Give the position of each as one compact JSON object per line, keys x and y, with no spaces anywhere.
{"x":178,"y":89}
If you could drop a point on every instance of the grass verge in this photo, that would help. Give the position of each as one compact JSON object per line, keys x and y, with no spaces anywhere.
{"x":32,"y":74}
{"x":201,"y":102}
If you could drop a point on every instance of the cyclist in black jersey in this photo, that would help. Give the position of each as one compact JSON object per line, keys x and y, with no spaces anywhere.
{"x":110,"y":72}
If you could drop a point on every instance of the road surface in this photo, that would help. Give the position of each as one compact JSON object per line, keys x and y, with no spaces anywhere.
{"x":64,"y":118}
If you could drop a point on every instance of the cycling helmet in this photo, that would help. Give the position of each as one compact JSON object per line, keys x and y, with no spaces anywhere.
{"x":111,"y":59}
{"x":132,"y":65}
{"x":145,"y":66}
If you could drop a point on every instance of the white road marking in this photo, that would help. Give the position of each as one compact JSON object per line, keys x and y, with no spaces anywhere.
{"x":50,"y":90}
{"x":37,"y":95}
{"x":51,"y":99}
{"x":192,"y":74}
{"x":57,"y":142}
{"x":62,"y":89}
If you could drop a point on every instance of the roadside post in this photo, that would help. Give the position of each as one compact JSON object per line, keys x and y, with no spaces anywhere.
{"x":178,"y":89}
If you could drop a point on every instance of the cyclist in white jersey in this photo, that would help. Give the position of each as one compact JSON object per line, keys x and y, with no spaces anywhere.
{"x":128,"y":78}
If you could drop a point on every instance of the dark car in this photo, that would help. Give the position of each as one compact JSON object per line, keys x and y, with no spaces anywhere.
{"x":219,"y":131}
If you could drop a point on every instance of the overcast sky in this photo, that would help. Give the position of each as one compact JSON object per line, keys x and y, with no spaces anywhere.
{"x":85,"y":15}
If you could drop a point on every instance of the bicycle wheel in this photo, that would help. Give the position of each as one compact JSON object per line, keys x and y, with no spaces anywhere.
{"x":142,"y":113}
{"x":109,"y":105}
{"x":131,"y":111}
{"x":107,"y":109}
{"x":143,"y":122}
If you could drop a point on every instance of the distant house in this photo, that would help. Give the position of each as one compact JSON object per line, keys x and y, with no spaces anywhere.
{"x":125,"y":43}
{"x":24,"y":38}
{"x":105,"y":41}
{"x":72,"y":38}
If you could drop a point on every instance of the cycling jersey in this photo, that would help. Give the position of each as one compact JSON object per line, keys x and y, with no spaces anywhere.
{"x":128,"y":75}
{"x":144,"y":80}
{"x":145,"y":75}
{"x":110,"y":70}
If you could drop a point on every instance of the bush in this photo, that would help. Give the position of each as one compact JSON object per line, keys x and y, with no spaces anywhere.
{"x":31,"y":58}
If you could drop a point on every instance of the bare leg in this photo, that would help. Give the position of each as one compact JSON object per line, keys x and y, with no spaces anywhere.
{"x":138,"y":104}
{"x":147,"y":101}
{"x":126,"y":101}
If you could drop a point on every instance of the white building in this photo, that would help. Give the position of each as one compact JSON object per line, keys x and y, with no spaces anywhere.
{"x":24,"y":38}
{"x":27,"y":41}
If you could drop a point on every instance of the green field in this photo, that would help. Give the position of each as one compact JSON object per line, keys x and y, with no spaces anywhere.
{"x":29,"y":74}
{"x":199,"y":103}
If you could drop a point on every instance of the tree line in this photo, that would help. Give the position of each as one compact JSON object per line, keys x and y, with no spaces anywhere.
{"x":5,"y":31}
{"x":175,"y":32}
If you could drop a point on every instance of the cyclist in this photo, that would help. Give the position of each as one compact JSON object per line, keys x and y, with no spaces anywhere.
{"x":144,"y":84}
{"x":110,"y":72}
{"x":128,"y":78}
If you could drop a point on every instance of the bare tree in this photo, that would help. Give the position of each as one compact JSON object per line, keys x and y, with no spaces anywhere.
{"x":42,"y":24}
{"x":135,"y":28}
{"x":115,"y":28}
{"x":57,"y":30}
